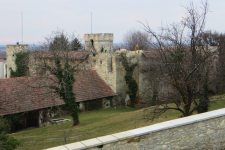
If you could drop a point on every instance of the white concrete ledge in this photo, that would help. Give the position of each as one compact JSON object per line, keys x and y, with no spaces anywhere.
{"x":141,"y":131}
{"x":108,"y":139}
{"x":75,"y":146}
{"x":123,"y":135}
{"x":92,"y":143}
{"x":58,"y":148}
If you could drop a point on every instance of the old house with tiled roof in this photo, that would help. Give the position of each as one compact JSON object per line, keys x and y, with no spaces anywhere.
{"x":32,"y":94}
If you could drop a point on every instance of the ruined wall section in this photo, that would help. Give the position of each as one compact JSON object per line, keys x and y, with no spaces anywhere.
{"x":149,"y":77}
{"x":34,"y":64}
{"x":98,"y":41}
{"x":121,"y":86}
{"x":146,"y":74}
{"x":145,"y":82}
{"x":105,"y":65}
{"x":11,"y":51}
{"x":109,"y":67}
{"x":37,"y":65}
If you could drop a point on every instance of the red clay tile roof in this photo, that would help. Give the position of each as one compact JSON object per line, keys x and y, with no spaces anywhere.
{"x":20,"y":95}
{"x":71,"y":54}
{"x":151,"y":53}
{"x":89,"y":85}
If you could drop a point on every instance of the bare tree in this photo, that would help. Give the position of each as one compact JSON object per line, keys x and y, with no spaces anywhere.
{"x":134,"y":37}
{"x":185,"y":64}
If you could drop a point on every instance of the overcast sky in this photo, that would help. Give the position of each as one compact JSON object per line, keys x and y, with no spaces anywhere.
{"x":41,"y":17}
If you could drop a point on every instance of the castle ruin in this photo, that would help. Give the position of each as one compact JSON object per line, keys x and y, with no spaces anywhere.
{"x":99,"y":56}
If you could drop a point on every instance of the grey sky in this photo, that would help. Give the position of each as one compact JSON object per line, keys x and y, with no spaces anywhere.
{"x":41,"y":17}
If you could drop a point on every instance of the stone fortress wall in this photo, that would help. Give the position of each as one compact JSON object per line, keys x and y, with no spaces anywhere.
{"x":37,"y":65}
{"x":99,"y":41}
{"x":11,"y":50}
{"x":204,"y":131}
{"x":110,"y":68}
{"x":107,"y":64}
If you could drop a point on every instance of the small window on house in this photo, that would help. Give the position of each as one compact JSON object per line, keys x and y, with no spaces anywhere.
{"x":100,"y":62}
{"x":105,"y":51}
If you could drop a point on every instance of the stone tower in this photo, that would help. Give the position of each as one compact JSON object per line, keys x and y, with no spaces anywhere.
{"x":99,"y":42}
{"x":11,"y":50}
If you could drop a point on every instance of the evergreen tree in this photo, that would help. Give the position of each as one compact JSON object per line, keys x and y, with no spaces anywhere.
{"x":66,"y":80}
{"x":204,"y":98}
{"x":60,"y":43}
{"x":6,"y":142}
{"x":75,"y":45}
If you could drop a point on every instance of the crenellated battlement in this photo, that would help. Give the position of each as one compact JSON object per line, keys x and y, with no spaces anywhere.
{"x":99,"y":42}
{"x":99,"y":36}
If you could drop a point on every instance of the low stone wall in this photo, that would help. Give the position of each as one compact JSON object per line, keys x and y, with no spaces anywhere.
{"x":198,"y":132}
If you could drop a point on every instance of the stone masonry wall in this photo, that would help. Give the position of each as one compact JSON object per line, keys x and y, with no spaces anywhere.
{"x":99,"y":40}
{"x":121,"y":86}
{"x":143,"y":79}
{"x":204,"y":131}
{"x":205,"y":135}
{"x":11,"y":50}
{"x":37,"y":65}
{"x":105,"y":65}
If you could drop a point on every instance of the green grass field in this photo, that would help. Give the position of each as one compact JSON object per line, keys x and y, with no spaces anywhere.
{"x":94,"y":124}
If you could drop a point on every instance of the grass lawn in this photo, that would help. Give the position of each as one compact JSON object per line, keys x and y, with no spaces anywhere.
{"x":94,"y":124}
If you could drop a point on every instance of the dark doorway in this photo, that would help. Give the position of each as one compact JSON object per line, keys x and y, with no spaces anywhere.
{"x":23,"y":121}
{"x":32,"y":118}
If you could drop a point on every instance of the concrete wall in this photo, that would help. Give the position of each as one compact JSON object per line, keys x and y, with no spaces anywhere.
{"x":204,"y":131}
{"x":11,"y":51}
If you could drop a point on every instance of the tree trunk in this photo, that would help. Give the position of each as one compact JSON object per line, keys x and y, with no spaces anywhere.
{"x":187,"y":110}
{"x":76,"y":120}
